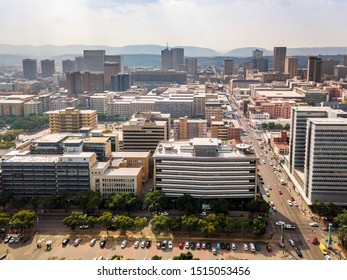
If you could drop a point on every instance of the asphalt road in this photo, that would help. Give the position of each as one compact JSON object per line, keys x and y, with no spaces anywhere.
{"x":300,"y":216}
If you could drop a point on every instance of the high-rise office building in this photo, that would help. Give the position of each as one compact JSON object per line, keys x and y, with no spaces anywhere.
{"x":279,"y":56}
{"x":47,"y":68}
{"x":345,"y":60}
{"x":291,"y":66}
{"x":117,"y":59}
{"x":120,"y":82}
{"x":172,"y":59}
{"x":68,"y":65}
{"x":261,"y":64}
{"x":79,"y":82}
{"x":71,"y":120}
{"x":94,"y":60}
{"x":191,"y":65}
{"x":79,"y":66}
{"x":328,"y":66}
{"x":228,"y":66}
{"x":340,"y":71}
{"x":204,"y":168}
{"x":314,"y":69}
{"x":110,"y":69}
{"x":29,"y":69}
{"x":257,"y":54}
{"x":326,"y":160}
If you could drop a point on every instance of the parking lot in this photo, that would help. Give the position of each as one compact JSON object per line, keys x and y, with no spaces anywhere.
{"x":84,"y":251}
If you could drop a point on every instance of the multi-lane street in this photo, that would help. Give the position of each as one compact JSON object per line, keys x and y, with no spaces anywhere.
{"x":297,"y":215}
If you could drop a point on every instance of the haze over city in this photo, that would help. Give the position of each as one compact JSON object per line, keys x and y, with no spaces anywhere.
{"x":220,"y":25}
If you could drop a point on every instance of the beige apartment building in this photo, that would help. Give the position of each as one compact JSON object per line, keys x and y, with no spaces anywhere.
{"x":225,"y":129}
{"x":185,"y":129}
{"x":71,"y":120}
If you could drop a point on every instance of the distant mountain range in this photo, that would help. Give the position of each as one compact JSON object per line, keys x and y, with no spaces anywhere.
{"x":49,"y":51}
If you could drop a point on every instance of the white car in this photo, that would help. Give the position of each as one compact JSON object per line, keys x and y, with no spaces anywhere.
{"x":327,"y":257}
{"x":245,"y":247}
{"x":198,"y":246}
{"x":203,"y":213}
{"x":295,"y":203}
{"x":164,"y":213}
{"x":269,"y":187}
{"x":143,"y":244}
{"x":289,"y":202}
{"x":251,"y":245}
{"x":92,"y":242}
{"x":123,"y":244}
{"x":187,"y":245}
{"x":271,"y":203}
{"x":77,"y":241}
{"x":314,"y":224}
{"x":233,"y":246}
{"x":136,"y":244}
{"x":169,"y":244}
{"x":279,"y":223}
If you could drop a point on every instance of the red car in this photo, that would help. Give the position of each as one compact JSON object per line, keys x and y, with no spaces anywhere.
{"x":180,"y":245}
{"x":280,"y":192}
{"x":268,"y":248}
{"x":314,"y":240}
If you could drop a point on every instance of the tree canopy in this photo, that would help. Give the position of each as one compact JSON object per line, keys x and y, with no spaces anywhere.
{"x":23,"y":219}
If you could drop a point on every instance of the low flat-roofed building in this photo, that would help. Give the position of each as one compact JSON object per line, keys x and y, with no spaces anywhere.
{"x":107,"y":180}
{"x":134,"y":159}
{"x":206,"y":169}
{"x":225,"y":129}
{"x":99,"y":145}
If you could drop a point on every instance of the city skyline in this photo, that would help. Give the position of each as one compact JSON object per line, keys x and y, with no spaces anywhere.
{"x":222,"y":25}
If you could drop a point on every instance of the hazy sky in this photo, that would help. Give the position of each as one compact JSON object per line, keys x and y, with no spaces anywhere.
{"x":218,"y":24}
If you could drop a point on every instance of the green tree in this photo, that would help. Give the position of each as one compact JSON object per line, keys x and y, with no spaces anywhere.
{"x":23,"y":219}
{"x":342,"y":235}
{"x":190,"y":222}
{"x":206,"y":228}
{"x":287,"y":126}
{"x":271,"y":125}
{"x":156,"y":201}
{"x":243,"y":224}
{"x":258,"y":205}
{"x":156,"y":257}
{"x":89,"y":201}
{"x":125,"y":202}
{"x":117,"y":258}
{"x":106,"y":220}
{"x":230,"y":225}
{"x":18,"y":202}
{"x":182,"y":256}
{"x":160,"y":223}
{"x":188,"y":204}
{"x":341,"y":219}
{"x":259,"y":227}
{"x":140,"y":223}
{"x":175,"y":224}
{"x":5,"y":199}
{"x":278,"y":126}
{"x":48,"y":202}
{"x":123,"y":223}
{"x":31,"y":123}
{"x":320,"y":208}
{"x":220,"y":206}
{"x":91,"y":221}
{"x":4,"y":219}
{"x":74,"y":220}
{"x":264,"y":125}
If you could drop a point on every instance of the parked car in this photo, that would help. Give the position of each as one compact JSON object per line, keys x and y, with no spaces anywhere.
{"x":280,"y":223}
{"x":291,"y":242}
{"x":180,"y":245}
{"x":92,"y":242}
{"x":228,"y":247}
{"x":164,"y":213}
{"x":245,"y":247}
{"x":280,"y":192}
{"x":65,"y":241}
{"x":102,"y":243}
{"x":7,"y":239}
{"x":327,"y":257}
{"x":218,"y":246}
{"x":314,"y":240}
{"x":289,"y":202}
{"x":77,"y":241}
{"x":143,"y":244}
{"x":251,"y":245}
{"x":158,"y":245}
{"x":136,"y":244}
{"x":268,"y":248}
{"x":169,"y":244}
{"x":314,"y":224}
{"x":203,"y":245}
{"x":123,"y":244}
{"x":83,"y":227}
{"x":257,"y":247}
{"x":203,"y":213}
{"x":295,"y":203}
{"x":192,"y":245}
{"x":208,"y":246}
{"x":148,"y":244}
{"x":198,"y":246}
{"x":164,"y":244}
{"x":298,"y":252}
{"x":214,"y":251}
{"x":187,"y":245}
{"x":233,"y":246}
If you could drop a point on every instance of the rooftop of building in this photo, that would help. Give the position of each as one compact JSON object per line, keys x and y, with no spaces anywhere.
{"x":96,"y":140}
{"x":329,"y":121}
{"x":123,"y":171}
{"x":130,"y":154}
{"x":51,"y":138}
{"x":78,"y":155}
{"x":188,"y":148}
{"x":33,"y":158}
{"x":279,"y":93}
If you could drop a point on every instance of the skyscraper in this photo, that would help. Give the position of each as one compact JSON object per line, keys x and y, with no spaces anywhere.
{"x":314,"y":69}
{"x":110,"y":68}
{"x":47,"y":68}
{"x":279,"y":57}
{"x":228,"y":66}
{"x":68,"y":65}
{"x":94,"y":60}
{"x":172,"y":59}
{"x":259,"y":62}
{"x":79,"y":63}
{"x":291,"y":66}
{"x":29,"y":69}
{"x":118,"y":59}
{"x":191,"y":65}
{"x":120,"y":82}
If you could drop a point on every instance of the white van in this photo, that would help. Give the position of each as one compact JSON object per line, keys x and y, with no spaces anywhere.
{"x":282,"y":181}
